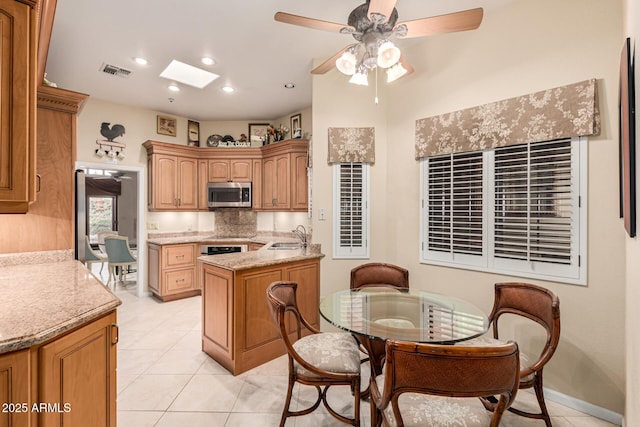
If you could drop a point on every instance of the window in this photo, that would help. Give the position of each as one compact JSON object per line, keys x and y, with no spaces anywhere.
{"x":351,"y":210}
{"x":512,"y":210}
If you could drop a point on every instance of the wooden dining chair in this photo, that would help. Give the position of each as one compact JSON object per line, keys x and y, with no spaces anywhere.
{"x":541,"y":306}
{"x":379,"y":274}
{"x":319,"y":359}
{"x":438,"y":385}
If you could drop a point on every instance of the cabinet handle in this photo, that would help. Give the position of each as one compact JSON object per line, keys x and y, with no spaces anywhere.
{"x":179,"y":202}
{"x":38,"y":182}
{"x":179,"y":280}
{"x":116,"y":338}
{"x":180,"y":256}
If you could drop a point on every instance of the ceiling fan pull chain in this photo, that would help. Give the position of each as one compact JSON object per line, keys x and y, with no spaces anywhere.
{"x":376,"y":98}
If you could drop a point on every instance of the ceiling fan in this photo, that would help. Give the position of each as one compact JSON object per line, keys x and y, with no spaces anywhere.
{"x":115,"y":175}
{"x":373,"y":24}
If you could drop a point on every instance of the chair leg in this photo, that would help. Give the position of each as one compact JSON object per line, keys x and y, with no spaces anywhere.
{"x":287,"y":402}
{"x":544,"y":413}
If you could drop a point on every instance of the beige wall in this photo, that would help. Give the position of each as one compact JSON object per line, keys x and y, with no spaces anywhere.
{"x":522,"y":48}
{"x":632,"y":413}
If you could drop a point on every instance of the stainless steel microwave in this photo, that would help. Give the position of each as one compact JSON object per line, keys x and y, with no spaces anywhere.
{"x":228,"y":195}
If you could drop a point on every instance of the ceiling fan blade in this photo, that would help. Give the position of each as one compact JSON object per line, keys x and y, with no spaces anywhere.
{"x":329,"y":63}
{"x":317,"y":24}
{"x":406,"y":65}
{"x":381,"y":7}
{"x":451,"y":22}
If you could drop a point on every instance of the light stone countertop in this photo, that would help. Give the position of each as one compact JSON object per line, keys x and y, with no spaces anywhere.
{"x":41,"y":301}
{"x":261,"y":258}
{"x":179,"y":238}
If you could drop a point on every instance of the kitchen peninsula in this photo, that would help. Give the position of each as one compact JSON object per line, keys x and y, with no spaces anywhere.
{"x":58,"y":337}
{"x":237,"y":328}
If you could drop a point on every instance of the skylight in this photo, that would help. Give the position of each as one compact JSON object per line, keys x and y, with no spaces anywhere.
{"x":187,"y":74}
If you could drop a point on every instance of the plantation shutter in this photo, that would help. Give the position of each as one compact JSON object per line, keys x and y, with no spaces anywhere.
{"x":535,"y":203}
{"x":454,"y":205}
{"x":351,"y":210}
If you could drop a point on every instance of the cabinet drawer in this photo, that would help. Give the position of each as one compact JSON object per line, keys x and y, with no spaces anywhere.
{"x":178,"y":256}
{"x":179,"y":280}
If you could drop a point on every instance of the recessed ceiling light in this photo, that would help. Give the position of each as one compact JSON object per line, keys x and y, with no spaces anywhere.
{"x":208,"y":61}
{"x":228,"y":89}
{"x":140,"y":61}
{"x":188,"y":74}
{"x":289,"y":85}
{"x":174,"y":88}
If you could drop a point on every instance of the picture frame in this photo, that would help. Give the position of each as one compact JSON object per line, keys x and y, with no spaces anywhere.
{"x":258,"y":132}
{"x":627,"y":139}
{"x":296,"y":123}
{"x":166,"y":126}
{"x":193,"y":133}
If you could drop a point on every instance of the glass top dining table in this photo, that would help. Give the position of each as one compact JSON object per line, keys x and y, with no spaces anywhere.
{"x":413,"y":315}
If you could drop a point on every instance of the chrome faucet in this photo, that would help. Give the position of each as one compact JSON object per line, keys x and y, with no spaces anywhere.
{"x":301,"y":232}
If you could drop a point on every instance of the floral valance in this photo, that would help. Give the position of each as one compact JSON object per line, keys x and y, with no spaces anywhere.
{"x":351,"y":145}
{"x":561,"y":112}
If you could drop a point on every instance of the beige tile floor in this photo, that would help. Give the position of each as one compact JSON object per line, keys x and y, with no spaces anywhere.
{"x":164,"y":379}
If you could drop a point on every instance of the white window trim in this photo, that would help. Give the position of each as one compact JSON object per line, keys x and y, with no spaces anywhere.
{"x":358,"y":252}
{"x":484,"y":263}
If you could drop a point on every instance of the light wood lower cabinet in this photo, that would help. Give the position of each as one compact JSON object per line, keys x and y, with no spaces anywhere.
{"x":68,"y":381}
{"x":14,"y":389}
{"x":172,"y":271}
{"x":238,"y":331}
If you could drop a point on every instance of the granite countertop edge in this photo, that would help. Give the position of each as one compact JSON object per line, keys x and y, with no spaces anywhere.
{"x":261,"y":258}
{"x":41,"y":301}
{"x":23,"y":342}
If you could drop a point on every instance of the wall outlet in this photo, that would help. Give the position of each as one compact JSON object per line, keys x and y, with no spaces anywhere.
{"x":152,"y":226}
{"x":322,"y":218}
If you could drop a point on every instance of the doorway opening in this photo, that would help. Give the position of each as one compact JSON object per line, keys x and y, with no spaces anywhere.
{"x":114,"y":202}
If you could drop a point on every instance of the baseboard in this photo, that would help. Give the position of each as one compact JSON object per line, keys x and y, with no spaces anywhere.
{"x":585,"y":407}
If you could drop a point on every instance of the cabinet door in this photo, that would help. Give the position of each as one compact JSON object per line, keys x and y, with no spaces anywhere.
{"x":203,"y":179}
{"x":164,"y":181}
{"x":241,"y":170}
{"x":79,"y":369}
{"x":283,"y":186}
{"x":187,"y":184}
{"x":219,"y":171}
{"x":256,"y":185}
{"x":269,"y":183}
{"x":17,"y":106}
{"x":299,"y":184}
{"x":14,"y":389}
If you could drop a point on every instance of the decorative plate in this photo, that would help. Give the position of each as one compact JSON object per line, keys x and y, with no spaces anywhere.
{"x":214,"y":140}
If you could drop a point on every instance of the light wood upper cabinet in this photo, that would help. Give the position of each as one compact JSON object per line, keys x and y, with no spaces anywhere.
{"x":173,"y":183}
{"x":178,"y":175}
{"x":18,"y":69}
{"x":223,"y":170}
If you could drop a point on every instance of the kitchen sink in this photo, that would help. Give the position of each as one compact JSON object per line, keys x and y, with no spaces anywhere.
{"x":284,"y":246}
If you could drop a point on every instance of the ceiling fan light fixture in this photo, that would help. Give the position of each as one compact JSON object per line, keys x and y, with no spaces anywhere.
{"x":346,"y":64}
{"x":395,"y":72}
{"x":360,"y":77}
{"x":388,"y":54}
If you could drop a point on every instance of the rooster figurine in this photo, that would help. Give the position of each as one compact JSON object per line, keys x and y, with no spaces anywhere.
{"x":111,"y":133}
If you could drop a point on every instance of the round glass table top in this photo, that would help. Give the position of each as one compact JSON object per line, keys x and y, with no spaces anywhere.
{"x":413,"y":315}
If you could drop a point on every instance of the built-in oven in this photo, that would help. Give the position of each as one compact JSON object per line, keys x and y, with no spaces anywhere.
{"x":221,"y":249}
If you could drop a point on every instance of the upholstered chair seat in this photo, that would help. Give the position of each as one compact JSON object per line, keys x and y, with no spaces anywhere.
{"x":330,"y":351}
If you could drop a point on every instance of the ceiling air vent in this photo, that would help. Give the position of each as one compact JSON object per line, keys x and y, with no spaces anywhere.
{"x":115,"y":71}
